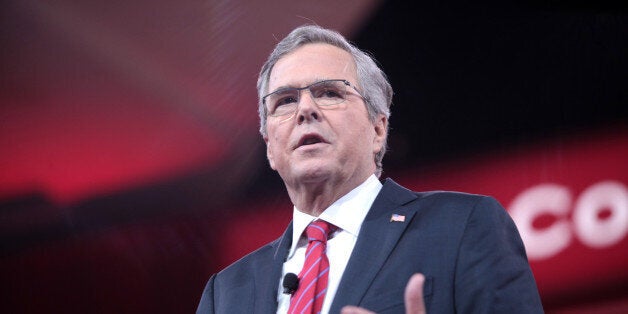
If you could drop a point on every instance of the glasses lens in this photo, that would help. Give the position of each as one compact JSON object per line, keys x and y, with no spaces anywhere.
{"x":328,"y":93}
{"x":283,"y":102}
{"x":324,"y":93}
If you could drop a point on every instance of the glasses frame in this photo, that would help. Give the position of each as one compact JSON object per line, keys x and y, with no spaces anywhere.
{"x":299,"y":89}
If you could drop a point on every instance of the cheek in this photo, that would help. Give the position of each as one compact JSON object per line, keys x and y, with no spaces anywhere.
{"x":272,"y":133}
{"x":277,"y":141}
{"x":357,"y":137}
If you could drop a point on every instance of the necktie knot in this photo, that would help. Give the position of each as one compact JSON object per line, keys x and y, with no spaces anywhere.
{"x":319,"y":230}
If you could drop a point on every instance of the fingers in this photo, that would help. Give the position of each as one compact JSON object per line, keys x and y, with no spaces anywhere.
{"x":414,"y":295}
{"x":350,"y":309}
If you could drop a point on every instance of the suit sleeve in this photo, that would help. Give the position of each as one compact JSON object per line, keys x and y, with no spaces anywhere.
{"x":207,"y":299}
{"x":492,"y":270}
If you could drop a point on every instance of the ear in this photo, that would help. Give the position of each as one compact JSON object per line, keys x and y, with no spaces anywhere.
{"x":269,"y":154}
{"x":381,"y":132}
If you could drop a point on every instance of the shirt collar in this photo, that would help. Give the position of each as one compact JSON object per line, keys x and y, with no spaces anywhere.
{"x":347,"y":213}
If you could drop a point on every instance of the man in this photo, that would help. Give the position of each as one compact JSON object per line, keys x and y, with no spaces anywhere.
{"x":357,"y":245}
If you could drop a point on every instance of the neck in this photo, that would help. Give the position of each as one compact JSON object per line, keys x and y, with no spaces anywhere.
{"x":314,"y":198}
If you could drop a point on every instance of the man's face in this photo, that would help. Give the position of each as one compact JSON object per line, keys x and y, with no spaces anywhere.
{"x":313,"y":144}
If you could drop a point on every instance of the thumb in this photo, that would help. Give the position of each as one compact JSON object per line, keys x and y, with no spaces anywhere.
{"x":414,"y":295}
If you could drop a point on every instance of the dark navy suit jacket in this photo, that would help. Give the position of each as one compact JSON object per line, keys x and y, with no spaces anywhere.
{"x":466,"y":245}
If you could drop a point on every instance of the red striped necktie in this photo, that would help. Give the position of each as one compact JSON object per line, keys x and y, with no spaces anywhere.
{"x":310,"y":295}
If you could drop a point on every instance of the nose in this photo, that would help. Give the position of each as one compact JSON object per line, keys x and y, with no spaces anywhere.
{"x":307,"y":109}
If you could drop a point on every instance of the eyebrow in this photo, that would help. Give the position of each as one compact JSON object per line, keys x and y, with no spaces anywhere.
{"x":293,"y":86}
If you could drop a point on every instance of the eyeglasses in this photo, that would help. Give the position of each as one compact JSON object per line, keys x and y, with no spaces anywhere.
{"x":325,"y":93}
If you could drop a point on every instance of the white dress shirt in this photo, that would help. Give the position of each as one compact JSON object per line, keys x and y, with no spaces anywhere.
{"x":347,"y":213}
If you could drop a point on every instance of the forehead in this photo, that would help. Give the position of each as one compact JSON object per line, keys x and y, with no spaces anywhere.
{"x":310,"y":63}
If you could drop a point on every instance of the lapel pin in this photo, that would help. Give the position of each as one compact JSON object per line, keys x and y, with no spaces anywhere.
{"x":397,"y":218}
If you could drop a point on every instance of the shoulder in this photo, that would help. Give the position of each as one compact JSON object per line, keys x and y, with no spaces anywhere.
{"x":394,"y":190}
{"x":463,"y":207}
{"x":441,"y":200}
{"x":466,"y":216}
{"x":451,"y":208}
{"x":460,"y":202}
{"x":452,"y":198}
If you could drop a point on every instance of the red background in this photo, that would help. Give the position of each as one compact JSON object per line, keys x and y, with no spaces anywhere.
{"x":131,"y":167}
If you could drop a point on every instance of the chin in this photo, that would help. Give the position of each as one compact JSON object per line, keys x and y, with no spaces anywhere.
{"x":312,"y":174}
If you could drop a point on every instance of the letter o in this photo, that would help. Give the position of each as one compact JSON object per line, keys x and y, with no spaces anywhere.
{"x":596,"y":232}
{"x":552,"y":198}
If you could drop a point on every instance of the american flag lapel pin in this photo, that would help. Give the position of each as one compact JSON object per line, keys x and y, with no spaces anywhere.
{"x":397,"y":218}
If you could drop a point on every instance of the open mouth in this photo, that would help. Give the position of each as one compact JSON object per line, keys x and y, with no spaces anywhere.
{"x":310,"y":140}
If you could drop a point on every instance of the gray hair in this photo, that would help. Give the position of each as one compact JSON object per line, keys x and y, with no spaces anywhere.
{"x":376,"y":90}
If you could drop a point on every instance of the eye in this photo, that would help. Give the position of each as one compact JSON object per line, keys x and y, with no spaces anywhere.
{"x":282,"y":98}
{"x":328,"y":92}
{"x":331,"y":93}
{"x":285,"y":100}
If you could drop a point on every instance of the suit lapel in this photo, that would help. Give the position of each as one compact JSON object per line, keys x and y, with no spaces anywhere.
{"x":378,"y":236}
{"x":267,"y":277}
